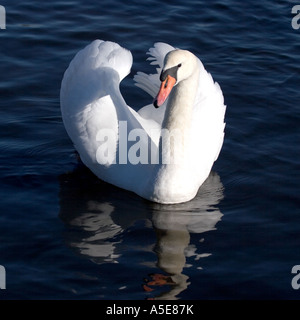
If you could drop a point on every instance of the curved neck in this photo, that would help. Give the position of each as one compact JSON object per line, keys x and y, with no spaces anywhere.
{"x":178,"y":118}
{"x":180,"y":103}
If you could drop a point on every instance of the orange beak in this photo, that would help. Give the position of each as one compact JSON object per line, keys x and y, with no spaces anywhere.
{"x":164,"y":91}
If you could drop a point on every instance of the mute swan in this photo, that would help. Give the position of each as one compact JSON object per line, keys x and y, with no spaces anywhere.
{"x":163,"y":154}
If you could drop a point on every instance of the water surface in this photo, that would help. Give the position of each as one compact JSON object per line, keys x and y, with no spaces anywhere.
{"x":67,"y":235}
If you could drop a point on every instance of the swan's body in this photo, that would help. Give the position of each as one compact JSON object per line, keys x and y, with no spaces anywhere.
{"x":98,"y":120}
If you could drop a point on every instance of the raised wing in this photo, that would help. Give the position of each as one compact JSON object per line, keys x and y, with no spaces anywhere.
{"x":150,"y":82}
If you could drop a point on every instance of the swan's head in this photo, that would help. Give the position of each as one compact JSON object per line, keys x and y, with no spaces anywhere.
{"x":178,"y":66}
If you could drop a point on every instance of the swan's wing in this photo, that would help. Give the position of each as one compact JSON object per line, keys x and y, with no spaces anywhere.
{"x":150,"y":83}
{"x":95,"y":72}
{"x":208,"y":116}
{"x":96,"y":116}
{"x":90,"y":96}
{"x":158,"y":53}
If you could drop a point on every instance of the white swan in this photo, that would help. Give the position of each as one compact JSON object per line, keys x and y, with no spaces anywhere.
{"x":162,"y":154}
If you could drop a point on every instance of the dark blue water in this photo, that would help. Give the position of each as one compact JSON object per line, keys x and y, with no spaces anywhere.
{"x":66,"y":235}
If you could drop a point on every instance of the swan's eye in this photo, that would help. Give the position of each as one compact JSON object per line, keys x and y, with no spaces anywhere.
{"x":179,"y":65}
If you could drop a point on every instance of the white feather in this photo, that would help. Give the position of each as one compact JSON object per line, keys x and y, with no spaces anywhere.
{"x":91,"y":103}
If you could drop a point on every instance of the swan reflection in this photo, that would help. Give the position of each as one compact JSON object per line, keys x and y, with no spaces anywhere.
{"x":174,"y":224}
{"x":98,"y":223}
{"x":97,"y":216}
